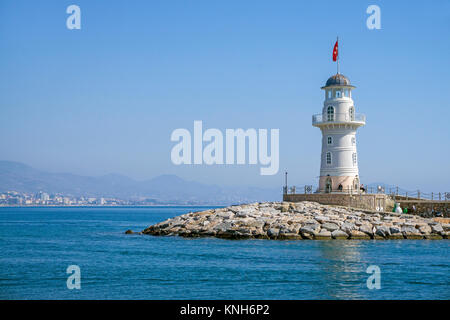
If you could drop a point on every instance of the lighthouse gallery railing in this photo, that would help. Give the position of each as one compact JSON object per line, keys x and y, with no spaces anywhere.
{"x":338,"y":117}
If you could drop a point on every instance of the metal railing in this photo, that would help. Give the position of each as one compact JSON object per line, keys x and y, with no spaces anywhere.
{"x":338,"y":117}
{"x":394,"y":192}
{"x":306,"y":189}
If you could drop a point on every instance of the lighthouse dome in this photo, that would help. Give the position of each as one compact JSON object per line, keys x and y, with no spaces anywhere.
{"x":338,"y":80}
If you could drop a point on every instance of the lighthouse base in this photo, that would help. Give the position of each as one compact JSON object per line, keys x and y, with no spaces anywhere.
{"x":336,"y":184}
{"x":375,"y":202}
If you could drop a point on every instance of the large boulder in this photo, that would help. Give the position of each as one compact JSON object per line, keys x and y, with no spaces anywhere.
{"x":395,"y":233}
{"x":367,"y":229}
{"x":411,"y":233}
{"x":425,"y":229}
{"x":330,"y":226}
{"x":307,"y":232}
{"x":339,"y":235}
{"x":225,"y":215}
{"x":437,"y":228}
{"x":358,"y":235}
{"x":382,"y":232}
{"x":347,"y":227}
{"x":321,"y":219}
{"x":323,"y":235}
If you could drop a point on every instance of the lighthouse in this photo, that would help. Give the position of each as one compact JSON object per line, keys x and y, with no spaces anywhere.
{"x":338,"y":123}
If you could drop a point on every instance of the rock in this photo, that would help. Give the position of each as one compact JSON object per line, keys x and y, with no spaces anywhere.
{"x":242,"y":214}
{"x":367,"y":229}
{"x":394,"y":230}
{"x":396,"y":236}
{"x":323,"y":235}
{"x":207,"y":233}
{"x":348,"y":227}
{"x":437,"y":228}
{"x":330,"y":226}
{"x":307,"y":233}
{"x":411,"y":233}
{"x":409,"y":224}
{"x":257,"y":224}
{"x":321,"y":219}
{"x":273,"y":233}
{"x":284,"y":207}
{"x":132,"y":232}
{"x":409,"y":229}
{"x":224,"y":226}
{"x":381,"y":232}
{"x":315,"y":227}
{"x":414,"y":236}
{"x":425,"y":229}
{"x":226,"y":215}
{"x":358,"y":235}
{"x":433,"y":236}
{"x":288,"y":230}
{"x":289,"y":236}
{"x":339,"y":234}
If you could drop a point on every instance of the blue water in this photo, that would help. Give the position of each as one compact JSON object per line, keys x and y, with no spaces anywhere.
{"x":38,"y":244}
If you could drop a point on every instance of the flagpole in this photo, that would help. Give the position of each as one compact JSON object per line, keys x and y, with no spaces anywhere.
{"x":337,"y":40}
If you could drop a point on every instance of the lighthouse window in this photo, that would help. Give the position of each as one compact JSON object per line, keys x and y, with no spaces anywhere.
{"x":330,"y":140}
{"x":345,"y":92}
{"x":328,"y":157}
{"x":354,"y":159}
{"x":351,"y":112}
{"x":338,"y":93}
{"x":353,"y":140}
{"x":330,"y":113}
{"x":329,"y":94}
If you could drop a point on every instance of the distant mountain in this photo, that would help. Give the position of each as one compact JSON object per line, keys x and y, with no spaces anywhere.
{"x":15,"y":176}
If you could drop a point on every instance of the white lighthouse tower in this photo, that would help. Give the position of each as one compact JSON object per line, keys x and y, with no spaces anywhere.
{"x":338,"y":123}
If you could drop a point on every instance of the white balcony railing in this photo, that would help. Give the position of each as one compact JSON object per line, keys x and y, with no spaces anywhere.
{"x":338,"y":117}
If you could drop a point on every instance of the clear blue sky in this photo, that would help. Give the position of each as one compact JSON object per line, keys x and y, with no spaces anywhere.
{"x":106,"y":98}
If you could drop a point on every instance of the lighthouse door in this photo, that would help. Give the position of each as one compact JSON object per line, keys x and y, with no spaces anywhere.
{"x":328,"y":185}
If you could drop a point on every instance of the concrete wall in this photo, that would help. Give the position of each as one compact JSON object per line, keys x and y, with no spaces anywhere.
{"x":378,"y":202}
{"x":425,"y":206}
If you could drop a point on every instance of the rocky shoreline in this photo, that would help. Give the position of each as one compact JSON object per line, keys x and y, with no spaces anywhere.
{"x":300,"y":220}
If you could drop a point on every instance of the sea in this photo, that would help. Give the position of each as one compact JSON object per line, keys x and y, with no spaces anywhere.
{"x":38,"y":246}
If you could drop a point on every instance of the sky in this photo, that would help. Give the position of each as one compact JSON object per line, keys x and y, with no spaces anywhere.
{"x":106,"y":98}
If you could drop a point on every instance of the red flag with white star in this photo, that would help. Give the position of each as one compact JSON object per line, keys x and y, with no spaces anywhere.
{"x":335,"y":51}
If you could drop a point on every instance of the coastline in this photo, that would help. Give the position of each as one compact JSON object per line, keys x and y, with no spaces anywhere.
{"x":115,"y":206}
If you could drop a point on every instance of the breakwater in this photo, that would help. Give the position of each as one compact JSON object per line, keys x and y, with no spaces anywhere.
{"x":300,"y":220}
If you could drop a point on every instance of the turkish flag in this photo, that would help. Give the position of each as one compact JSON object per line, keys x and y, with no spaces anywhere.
{"x":335,"y":51}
